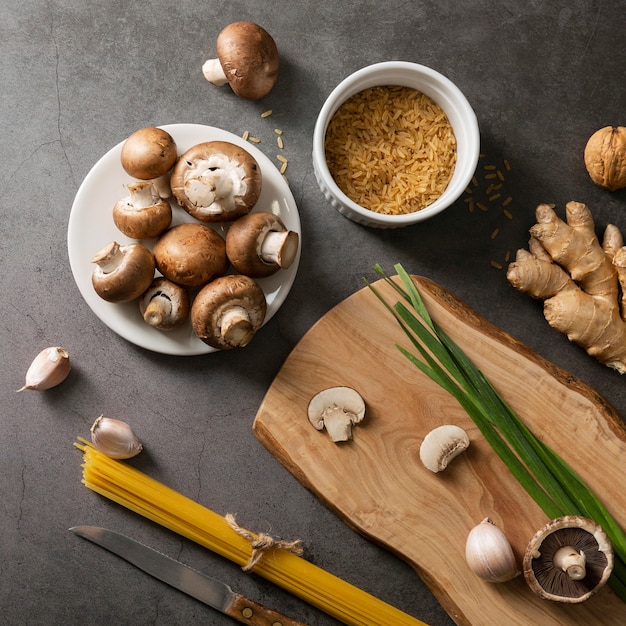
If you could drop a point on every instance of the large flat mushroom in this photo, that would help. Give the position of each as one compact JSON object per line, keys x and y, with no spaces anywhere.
{"x":568,"y":559}
{"x":247,"y":59}
{"x":228,"y":311}
{"x":216,"y":181}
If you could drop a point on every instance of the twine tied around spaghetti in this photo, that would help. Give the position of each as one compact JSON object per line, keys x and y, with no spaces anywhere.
{"x":262,"y":542}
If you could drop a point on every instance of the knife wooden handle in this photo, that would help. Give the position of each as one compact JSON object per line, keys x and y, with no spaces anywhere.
{"x":249,"y":612}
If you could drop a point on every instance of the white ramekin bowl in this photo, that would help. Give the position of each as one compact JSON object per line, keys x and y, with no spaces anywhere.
{"x":445,"y":93}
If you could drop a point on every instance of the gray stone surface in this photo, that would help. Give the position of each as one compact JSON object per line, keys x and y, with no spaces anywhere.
{"x":77,"y":78}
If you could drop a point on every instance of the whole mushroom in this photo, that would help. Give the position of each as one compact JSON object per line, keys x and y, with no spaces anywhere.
{"x":165,"y":305}
{"x":228,"y":311}
{"x":191,"y":254}
{"x":141,"y":214}
{"x":568,"y":559}
{"x":122,"y":273}
{"x":149,"y":154}
{"x":247,"y":59}
{"x":216,"y":181}
{"x":259,"y":244}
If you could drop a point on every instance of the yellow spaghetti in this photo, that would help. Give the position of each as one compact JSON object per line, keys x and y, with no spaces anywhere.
{"x":138,"y":492}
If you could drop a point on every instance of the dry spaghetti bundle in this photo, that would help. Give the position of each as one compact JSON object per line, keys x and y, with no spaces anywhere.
{"x":278,"y":563}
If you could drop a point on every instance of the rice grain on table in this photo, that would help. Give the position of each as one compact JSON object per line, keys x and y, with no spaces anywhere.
{"x":391,"y":149}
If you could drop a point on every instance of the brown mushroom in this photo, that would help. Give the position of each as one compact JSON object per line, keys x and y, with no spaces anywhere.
{"x":216,"y":181}
{"x":247,"y":59}
{"x":259,"y":244}
{"x":191,"y":254}
{"x":149,"y":154}
{"x":141,"y":215}
{"x":122,"y":273}
{"x":228,"y":311}
{"x":568,"y":560}
{"x":164,"y":305}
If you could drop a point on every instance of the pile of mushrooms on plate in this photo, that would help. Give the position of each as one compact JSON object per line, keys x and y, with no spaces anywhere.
{"x":181,"y":272}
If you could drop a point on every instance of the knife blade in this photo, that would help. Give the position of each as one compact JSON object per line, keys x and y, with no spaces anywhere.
{"x":210,"y":591}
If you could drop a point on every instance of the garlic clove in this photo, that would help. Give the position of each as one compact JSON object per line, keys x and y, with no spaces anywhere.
{"x":489,"y":554}
{"x":48,"y":369}
{"x":115,"y":438}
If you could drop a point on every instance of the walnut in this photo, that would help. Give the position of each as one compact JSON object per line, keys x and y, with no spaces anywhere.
{"x":605,"y":157}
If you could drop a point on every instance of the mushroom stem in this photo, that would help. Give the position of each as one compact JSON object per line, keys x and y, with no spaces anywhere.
{"x":280,"y":247}
{"x":235,"y":327}
{"x":141,"y":195}
{"x":109,"y":258}
{"x":571,"y":562}
{"x":213,"y":72}
{"x":157,"y":311}
{"x":338,"y":423}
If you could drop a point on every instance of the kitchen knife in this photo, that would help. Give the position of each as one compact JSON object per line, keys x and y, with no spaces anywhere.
{"x":208,"y":590}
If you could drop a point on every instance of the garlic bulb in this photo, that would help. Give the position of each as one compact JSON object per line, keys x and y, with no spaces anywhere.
{"x":489,"y":554}
{"x":115,"y":438}
{"x":49,"y":368}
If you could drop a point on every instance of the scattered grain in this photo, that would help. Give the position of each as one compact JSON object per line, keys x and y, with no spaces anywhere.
{"x":255,"y":140}
{"x":494,"y":197}
{"x":279,"y":141}
{"x":474,"y":181}
{"x":507,"y":201}
{"x":508,"y":214}
{"x":281,"y":158}
{"x":246,"y":135}
{"x":507,"y":165}
{"x":482,"y":206}
{"x":500,"y":175}
{"x":494,"y":233}
{"x":495,"y":264}
{"x":507,"y":256}
{"x":283,"y":167}
{"x":491,"y":176}
{"x":278,"y":131}
{"x":391,"y":149}
{"x":266,"y":113}
{"x":490,"y":167}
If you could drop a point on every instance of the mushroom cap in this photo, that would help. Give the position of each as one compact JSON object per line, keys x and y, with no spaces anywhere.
{"x":191,"y":254}
{"x":551,"y":582}
{"x":249,"y":58}
{"x":165,"y":305}
{"x":219,"y":299}
{"x":216,"y":181}
{"x":148,"y":153}
{"x":122,"y":273}
{"x":245,"y":241}
{"x":141,"y":222}
{"x":337,"y":409}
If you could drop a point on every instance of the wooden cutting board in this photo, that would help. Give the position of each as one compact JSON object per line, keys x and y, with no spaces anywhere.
{"x":376,"y":482}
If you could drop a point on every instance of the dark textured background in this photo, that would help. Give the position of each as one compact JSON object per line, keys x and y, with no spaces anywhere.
{"x":76,"y":79}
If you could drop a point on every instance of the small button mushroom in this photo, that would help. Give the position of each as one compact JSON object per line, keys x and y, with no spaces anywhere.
{"x":259,"y":244}
{"x":336,"y":409}
{"x":142,"y":215}
{"x":216,"y":181}
{"x":228,"y":311}
{"x":441,"y":445}
{"x":122,"y":273}
{"x":165,"y":305}
{"x":149,"y":154}
{"x":568,"y":559}
{"x":191,"y":254}
{"x":247,"y":59}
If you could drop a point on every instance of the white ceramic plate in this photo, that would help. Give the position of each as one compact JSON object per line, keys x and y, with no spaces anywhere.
{"x":91,"y":228}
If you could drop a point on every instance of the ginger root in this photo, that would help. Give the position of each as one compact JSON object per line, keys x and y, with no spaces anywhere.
{"x":582,"y":283}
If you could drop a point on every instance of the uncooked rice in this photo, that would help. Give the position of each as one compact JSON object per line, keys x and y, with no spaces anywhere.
{"x":391,"y":149}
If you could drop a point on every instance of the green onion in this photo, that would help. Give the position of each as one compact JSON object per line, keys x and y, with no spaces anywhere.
{"x":556,"y":488}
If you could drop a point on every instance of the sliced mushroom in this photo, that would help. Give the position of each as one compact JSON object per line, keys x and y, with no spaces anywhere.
{"x":216,"y":181}
{"x":568,"y":560}
{"x":165,"y":305}
{"x":259,"y":244}
{"x":247,"y":59}
{"x":191,"y":254}
{"x":122,"y":273}
{"x":441,"y":445}
{"x":141,"y":215}
{"x":149,"y":154}
{"x":336,"y":409}
{"x":228,"y":311}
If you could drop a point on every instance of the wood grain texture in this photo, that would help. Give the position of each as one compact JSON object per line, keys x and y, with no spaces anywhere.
{"x":376,"y":482}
